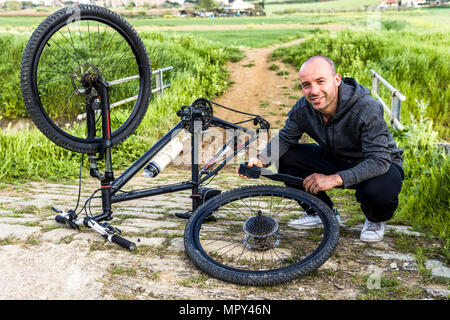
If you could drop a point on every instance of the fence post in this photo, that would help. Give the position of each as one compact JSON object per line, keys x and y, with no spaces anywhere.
{"x":374,"y":83}
{"x":159,"y":81}
{"x":395,"y":110}
{"x":396,"y":99}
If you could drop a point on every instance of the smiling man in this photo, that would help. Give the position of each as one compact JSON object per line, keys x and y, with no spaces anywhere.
{"x":354,"y":147}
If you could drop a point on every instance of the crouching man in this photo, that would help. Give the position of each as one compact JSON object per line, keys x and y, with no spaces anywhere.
{"x":354,"y":147}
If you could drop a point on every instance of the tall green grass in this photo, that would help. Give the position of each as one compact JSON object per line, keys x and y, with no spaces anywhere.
{"x":199,"y":70}
{"x":415,"y":64}
{"x":11,"y":105}
{"x":424,"y":201}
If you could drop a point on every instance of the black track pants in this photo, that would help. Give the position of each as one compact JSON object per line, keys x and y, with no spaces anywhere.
{"x":378,"y":196}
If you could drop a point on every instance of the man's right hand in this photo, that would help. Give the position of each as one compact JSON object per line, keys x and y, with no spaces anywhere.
{"x":251,"y":162}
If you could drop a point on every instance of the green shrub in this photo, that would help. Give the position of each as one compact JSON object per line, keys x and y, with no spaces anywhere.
{"x":396,"y":25}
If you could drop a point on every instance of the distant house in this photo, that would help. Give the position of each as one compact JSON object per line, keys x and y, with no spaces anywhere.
{"x":240,"y":5}
{"x":412,"y":3}
{"x":388,"y":4}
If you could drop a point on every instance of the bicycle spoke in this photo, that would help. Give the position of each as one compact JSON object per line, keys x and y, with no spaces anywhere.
{"x":231,"y":244}
{"x":68,"y":50}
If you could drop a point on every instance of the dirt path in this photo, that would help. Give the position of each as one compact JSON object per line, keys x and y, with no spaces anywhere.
{"x":41,"y":259}
{"x":261,"y":86}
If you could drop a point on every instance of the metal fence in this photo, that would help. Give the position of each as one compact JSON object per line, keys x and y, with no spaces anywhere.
{"x":396,"y":99}
{"x":159,"y":89}
{"x":160,"y":86}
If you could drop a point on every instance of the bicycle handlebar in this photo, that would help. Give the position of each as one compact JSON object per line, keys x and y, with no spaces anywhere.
{"x":102,"y":230}
{"x":124,"y":243}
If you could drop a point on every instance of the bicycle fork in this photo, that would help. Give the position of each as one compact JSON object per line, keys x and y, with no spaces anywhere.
{"x":70,"y":217}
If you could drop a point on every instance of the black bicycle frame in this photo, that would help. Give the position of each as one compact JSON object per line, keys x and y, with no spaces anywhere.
{"x":110,"y":186}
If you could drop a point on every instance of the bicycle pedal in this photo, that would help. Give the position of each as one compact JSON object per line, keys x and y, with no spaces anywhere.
{"x":183,"y":215}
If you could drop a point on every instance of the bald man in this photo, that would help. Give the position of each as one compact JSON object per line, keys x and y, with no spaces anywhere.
{"x":354,"y":147}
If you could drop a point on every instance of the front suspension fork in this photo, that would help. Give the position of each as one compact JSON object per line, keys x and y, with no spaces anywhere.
{"x":102,"y":89}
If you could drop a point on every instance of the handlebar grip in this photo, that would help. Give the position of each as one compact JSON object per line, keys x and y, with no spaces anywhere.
{"x":251,"y":172}
{"x":60,"y":219}
{"x":124,"y":243}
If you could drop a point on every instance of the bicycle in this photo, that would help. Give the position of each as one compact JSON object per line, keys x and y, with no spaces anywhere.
{"x":240,"y":236}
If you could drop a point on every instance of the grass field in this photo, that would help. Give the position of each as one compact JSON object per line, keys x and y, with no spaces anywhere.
{"x":250,"y":38}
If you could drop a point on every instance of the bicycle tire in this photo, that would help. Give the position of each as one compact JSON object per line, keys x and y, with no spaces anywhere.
{"x":213,"y":246}
{"x":72,"y":42}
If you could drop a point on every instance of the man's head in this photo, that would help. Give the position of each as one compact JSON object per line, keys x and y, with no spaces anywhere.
{"x":320,"y":83}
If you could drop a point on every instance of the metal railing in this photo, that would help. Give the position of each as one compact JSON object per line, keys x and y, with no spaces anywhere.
{"x":160,"y":86}
{"x":396,"y":99}
{"x":159,"y":80}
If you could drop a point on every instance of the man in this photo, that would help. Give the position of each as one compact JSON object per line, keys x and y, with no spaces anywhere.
{"x":354,"y":147}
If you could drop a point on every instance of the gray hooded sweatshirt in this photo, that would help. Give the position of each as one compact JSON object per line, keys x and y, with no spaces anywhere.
{"x":357,"y":133}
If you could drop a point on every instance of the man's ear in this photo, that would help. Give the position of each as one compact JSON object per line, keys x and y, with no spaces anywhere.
{"x":338,"y":79}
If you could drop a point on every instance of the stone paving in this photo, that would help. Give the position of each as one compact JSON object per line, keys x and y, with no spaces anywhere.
{"x":41,"y":259}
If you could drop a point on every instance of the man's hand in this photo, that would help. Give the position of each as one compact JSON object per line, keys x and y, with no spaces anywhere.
{"x":320,"y":182}
{"x":251,"y":162}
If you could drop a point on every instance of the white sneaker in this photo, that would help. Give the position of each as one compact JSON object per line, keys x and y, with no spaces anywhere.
{"x":309,"y":221}
{"x":372,"y":231}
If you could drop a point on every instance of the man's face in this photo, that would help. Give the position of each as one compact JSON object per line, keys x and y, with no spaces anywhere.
{"x":320,"y":85}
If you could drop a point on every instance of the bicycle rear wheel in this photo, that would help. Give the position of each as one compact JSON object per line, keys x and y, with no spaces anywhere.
{"x":70,"y":45}
{"x":251,"y":241}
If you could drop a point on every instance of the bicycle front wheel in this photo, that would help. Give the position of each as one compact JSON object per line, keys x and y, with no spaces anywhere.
{"x":64,"y":50}
{"x":253,"y":242}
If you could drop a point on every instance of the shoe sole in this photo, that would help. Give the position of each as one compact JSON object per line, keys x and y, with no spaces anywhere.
{"x":371,"y":241}
{"x":305,"y":227}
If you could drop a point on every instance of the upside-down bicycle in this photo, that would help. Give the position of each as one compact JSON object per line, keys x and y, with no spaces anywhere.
{"x":88,"y":61}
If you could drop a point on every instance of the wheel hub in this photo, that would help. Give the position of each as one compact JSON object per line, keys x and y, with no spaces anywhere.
{"x":261,"y":233}
{"x":79,"y":76}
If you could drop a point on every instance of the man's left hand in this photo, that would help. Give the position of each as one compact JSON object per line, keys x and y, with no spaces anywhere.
{"x":321,"y":182}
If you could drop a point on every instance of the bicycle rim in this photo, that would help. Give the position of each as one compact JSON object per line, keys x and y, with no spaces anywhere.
{"x":253,"y":241}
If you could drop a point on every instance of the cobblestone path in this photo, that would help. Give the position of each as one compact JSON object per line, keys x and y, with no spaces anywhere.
{"x":41,"y":259}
